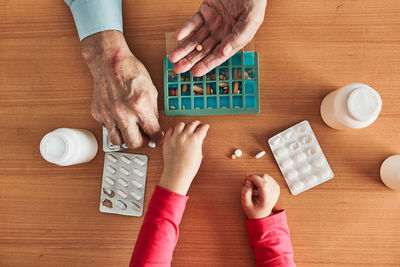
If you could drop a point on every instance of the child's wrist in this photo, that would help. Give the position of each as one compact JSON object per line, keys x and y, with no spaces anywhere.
{"x":173,"y":184}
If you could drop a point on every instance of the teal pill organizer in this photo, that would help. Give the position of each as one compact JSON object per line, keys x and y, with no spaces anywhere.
{"x":231,"y":88}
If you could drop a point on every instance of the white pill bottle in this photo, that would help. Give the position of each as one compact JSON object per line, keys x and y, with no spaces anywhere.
{"x":354,"y":106}
{"x":390,"y":172}
{"x":66,"y":146}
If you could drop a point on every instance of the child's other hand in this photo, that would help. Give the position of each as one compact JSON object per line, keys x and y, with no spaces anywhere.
{"x":182,"y":151}
{"x":259,"y":195}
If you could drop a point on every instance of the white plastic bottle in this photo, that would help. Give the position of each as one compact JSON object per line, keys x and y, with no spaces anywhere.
{"x":66,"y":146}
{"x":354,"y":106}
{"x":390,"y":172}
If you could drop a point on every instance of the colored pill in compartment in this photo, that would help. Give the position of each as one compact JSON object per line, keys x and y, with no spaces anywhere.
{"x":110,"y":169}
{"x":138,"y":172}
{"x":121,"y":205}
{"x":124,"y":171}
{"x":109,"y":181}
{"x":125,"y":159}
{"x":137,"y":184}
{"x":135,"y":195}
{"x":112,"y":158}
{"x":138,"y":161}
{"x":123,"y":182}
{"x":122,"y":194}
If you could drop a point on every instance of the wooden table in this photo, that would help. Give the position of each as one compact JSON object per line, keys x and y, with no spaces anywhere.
{"x":49,"y":214}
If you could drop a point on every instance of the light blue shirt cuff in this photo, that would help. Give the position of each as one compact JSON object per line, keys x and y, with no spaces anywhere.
{"x":92,"y":16}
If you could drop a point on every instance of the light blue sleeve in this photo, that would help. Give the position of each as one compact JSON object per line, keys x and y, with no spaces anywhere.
{"x":92,"y":16}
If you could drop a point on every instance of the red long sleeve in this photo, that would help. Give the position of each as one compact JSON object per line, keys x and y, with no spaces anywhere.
{"x":160,"y":230}
{"x":270,"y":239}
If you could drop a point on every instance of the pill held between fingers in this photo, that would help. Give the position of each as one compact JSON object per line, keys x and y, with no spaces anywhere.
{"x":110,"y":169}
{"x":122,"y":182}
{"x":109,"y":181}
{"x":153,"y":144}
{"x":299,"y":157}
{"x":126,"y":159}
{"x":199,"y":47}
{"x":297,"y":186}
{"x":124,"y":171}
{"x":138,"y":161}
{"x":291,"y":174}
{"x":112,"y":158}
{"x":137,"y":184}
{"x":286,"y":163}
{"x":122,"y":194}
{"x":137,"y":172}
{"x":260,"y":154}
{"x":238,"y":153}
{"x":310,"y":180}
{"x":135,"y":195}
{"x":120,"y":205}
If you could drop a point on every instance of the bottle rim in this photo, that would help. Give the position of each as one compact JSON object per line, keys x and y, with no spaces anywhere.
{"x":67,"y":152}
{"x":360,"y":112}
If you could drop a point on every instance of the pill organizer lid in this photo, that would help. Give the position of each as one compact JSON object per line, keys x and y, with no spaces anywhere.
{"x":54,"y":147}
{"x":364,"y":103}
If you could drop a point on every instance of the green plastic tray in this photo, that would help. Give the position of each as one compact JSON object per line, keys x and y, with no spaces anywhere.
{"x":219,"y":99}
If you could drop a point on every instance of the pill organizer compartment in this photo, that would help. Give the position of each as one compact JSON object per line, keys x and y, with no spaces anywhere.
{"x":300,"y":158}
{"x":123,"y":184}
{"x":231,"y":88}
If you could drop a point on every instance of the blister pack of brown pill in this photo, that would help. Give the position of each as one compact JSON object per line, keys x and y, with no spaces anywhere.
{"x":123,"y":184}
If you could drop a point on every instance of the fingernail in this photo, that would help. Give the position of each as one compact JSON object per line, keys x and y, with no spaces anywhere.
{"x":247,"y":183}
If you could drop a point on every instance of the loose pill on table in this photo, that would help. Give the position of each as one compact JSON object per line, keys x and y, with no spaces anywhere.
{"x":297,"y":186}
{"x":260,"y":154}
{"x":110,"y":169}
{"x":137,"y":172}
{"x":233,"y":156}
{"x":291,"y":174}
{"x":109,"y":181}
{"x":299,"y":157}
{"x":184,"y":88}
{"x":108,"y":192}
{"x":123,"y":182}
{"x":152,"y":144}
{"x":124,"y":171}
{"x":280,"y":152}
{"x":137,"y":184}
{"x":135,"y":206}
{"x":223,"y":84}
{"x":236,"y":88}
{"x":172,"y":107}
{"x":120,"y":204}
{"x":318,"y":162}
{"x":135,"y":195}
{"x":305,"y":168}
{"x":138,"y":161}
{"x":310,"y":180}
{"x":107,"y":203}
{"x":122,"y":194}
{"x":238,"y":153}
{"x":125,"y":159}
{"x":198,"y":89}
{"x":112,"y":158}
{"x":286,"y":163}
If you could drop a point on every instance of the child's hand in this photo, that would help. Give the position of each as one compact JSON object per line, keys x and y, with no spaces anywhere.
{"x":182,"y":151}
{"x":259,"y":195}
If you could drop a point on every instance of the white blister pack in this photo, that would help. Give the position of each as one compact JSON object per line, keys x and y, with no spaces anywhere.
{"x":108,"y":146}
{"x":124,"y":182}
{"x":300,"y":158}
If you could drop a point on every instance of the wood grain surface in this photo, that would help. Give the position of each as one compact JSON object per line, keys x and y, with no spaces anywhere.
{"x":49,"y":214}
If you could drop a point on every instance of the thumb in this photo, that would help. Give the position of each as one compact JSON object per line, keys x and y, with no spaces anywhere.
{"x":247,"y":192}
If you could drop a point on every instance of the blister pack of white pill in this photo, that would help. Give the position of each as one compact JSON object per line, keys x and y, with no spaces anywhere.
{"x":124,"y":182}
{"x":300,"y":158}
{"x":108,"y":146}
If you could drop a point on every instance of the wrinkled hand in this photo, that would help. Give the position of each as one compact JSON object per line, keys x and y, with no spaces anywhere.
{"x":124,"y":97}
{"x":222,"y":27}
{"x":182,"y":152}
{"x":259,"y":195}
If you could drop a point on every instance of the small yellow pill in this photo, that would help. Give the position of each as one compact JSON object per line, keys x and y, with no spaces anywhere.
{"x":199,"y":47}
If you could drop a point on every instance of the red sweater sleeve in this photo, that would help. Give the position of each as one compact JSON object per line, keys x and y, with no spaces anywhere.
{"x":160,"y":229}
{"x":270,"y":239}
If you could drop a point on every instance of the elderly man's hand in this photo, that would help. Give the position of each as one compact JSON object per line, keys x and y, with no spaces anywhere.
{"x":222,"y":27}
{"x":124,"y":97}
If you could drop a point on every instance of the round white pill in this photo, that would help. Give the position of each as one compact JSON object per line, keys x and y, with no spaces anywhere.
{"x":291,"y":174}
{"x":260,"y":154}
{"x":312,"y":151}
{"x":275,"y":141}
{"x":124,"y":171}
{"x":137,"y":184}
{"x":110,"y":169}
{"x":310,"y":180}
{"x":299,"y":157}
{"x":318,"y":162}
{"x":126,"y":159}
{"x":138,"y":161}
{"x":122,"y":182}
{"x":122,"y":194}
{"x":294,"y":146}
{"x":109,"y":181}
{"x":324,"y":174}
{"x":302,"y":128}
{"x":307,"y":139}
{"x":135,"y":195}
{"x":137,"y":172}
{"x":286,"y":163}
{"x":297,"y":186}
{"x":121,"y":205}
{"x":281,"y":152}
{"x":112,"y":158}
{"x":152,"y":144}
{"x":238,"y":153}
{"x":305,"y":168}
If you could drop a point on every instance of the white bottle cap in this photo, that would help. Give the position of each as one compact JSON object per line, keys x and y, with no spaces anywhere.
{"x":55,"y":147}
{"x":364,"y":103}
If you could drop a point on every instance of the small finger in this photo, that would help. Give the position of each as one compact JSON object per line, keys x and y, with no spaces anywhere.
{"x":202,"y":130}
{"x":256,"y":180}
{"x":188,"y":27}
{"x":191,"y":127}
{"x":168,"y":133}
{"x":179,"y":128}
{"x":247,"y":193}
{"x":132,"y":136}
